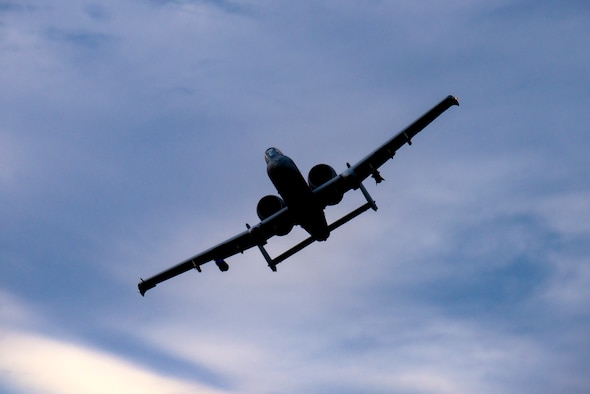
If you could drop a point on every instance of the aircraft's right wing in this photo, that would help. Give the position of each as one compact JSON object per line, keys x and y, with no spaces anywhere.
{"x":257,"y":235}
{"x":351,"y":178}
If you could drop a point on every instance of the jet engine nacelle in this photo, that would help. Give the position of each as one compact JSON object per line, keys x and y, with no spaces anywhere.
{"x":268,"y":206}
{"x":321,"y":174}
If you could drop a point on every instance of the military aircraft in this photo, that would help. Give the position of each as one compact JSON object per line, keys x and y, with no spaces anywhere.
{"x":302,"y":203}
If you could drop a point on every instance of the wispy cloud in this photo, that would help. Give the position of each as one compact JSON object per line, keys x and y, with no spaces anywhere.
{"x":41,"y":362}
{"x":36,"y":363}
{"x":84,"y":39}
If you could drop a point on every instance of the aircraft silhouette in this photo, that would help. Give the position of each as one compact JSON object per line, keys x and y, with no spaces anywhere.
{"x":302,"y":203}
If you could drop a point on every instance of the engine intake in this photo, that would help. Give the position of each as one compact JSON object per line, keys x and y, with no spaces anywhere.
{"x":268,"y":206}
{"x":321,"y":174}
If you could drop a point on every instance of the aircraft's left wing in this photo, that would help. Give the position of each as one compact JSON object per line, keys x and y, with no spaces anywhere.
{"x":254,"y":236}
{"x":351,"y":178}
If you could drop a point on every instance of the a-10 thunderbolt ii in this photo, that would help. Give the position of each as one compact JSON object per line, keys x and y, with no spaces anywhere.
{"x":302,"y":203}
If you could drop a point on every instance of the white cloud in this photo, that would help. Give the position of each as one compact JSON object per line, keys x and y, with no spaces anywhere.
{"x":409,"y":353}
{"x":32,"y":361}
{"x":36,"y":363}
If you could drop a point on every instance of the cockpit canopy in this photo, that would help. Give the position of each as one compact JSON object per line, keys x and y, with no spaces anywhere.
{"x":271,"y":154}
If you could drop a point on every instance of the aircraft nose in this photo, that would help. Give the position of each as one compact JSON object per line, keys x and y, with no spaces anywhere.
{"x":271,"y":153}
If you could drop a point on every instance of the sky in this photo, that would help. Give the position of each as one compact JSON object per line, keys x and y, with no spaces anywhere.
{"x":132,"y":136}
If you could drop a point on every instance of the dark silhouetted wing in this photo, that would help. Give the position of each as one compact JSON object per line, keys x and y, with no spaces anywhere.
{"x":256,"y":235}
{"x":351,"y":178}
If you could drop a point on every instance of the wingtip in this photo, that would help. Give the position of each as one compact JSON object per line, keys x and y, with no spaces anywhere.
{"x":142,"y":288}
{"x":454,"y":99}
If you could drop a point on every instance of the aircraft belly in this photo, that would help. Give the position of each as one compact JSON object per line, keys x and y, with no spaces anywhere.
{"x":299,"y":197}
{"x":289,"y":182}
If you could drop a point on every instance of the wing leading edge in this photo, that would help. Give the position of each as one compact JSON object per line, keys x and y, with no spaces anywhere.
{"x":354,"y":175}
{"x":257,"y":235}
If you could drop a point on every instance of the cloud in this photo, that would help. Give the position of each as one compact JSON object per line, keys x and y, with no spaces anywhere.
{"x":381,"y":351}
{"x":89,"y":40}
{"x":31,"y":362}
{"x":132,"y":138}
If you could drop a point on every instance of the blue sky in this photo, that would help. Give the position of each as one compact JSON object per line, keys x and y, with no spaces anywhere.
{"x":132,"y":136}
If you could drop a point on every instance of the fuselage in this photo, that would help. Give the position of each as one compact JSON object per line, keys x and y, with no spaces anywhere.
{"x":296,"y":193}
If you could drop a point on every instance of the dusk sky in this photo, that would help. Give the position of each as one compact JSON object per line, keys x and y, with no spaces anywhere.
{"x":132,"y":136}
